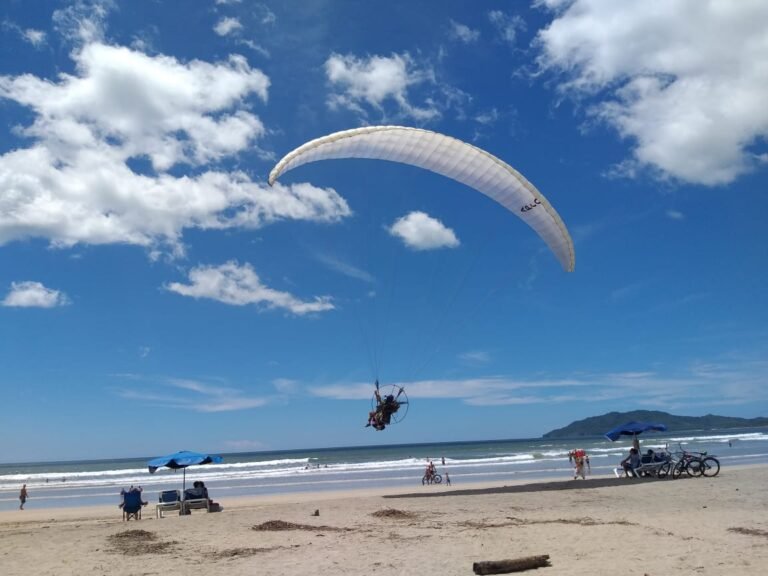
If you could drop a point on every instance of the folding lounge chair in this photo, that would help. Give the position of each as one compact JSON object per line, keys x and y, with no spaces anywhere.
{"x":132,"y":505}
{"x":169,"y":500}
{"x":656,"y":464}
{"x":194,"y":500}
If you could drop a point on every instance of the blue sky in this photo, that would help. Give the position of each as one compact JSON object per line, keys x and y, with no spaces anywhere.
{"x":156,"y":294}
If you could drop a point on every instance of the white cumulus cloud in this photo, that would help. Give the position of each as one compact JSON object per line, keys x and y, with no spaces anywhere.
{"x":684,"y":80}
{"x":33,"y":295}
{"x":375,"y":81}
{"x":77,"y":181}
{"x":422,"y":232}
{"x":238,"y":285}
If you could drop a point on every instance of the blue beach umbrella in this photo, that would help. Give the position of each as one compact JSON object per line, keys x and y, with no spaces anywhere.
{"x":181,"y":460}
{"x":633,"y":429}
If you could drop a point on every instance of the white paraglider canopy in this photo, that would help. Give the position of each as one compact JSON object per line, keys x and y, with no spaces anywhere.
{"x":450,"y":157}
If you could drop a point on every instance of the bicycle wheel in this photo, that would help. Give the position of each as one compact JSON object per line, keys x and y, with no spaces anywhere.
{"x":694,"y":467}
{"x":678,"y":470}
{"x":436,"y":479}
{"x":710,"y":466}
{"x":664,"y":470}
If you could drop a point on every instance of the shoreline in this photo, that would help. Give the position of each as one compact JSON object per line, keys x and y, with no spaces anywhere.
{"x":96,"y":483}
{"x":509,"y":486}
{"x":708,"y":526}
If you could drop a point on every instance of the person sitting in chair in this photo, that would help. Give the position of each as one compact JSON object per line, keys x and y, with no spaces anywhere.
{"x":197,"y":492}
{"x":631,"y":462}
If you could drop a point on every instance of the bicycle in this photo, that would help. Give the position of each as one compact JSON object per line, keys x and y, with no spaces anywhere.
{"x":434,"y":478}
{"x":705,"y":465}
{"x":685,"y":462}
{"x":695,"y":464}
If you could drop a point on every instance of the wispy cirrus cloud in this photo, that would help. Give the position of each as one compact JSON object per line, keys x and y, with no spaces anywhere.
{"x":488,"y":117}
{"x":727,"y":383}
{"x":244,"y":445}
{"x":342,"y":267}
{"x":227,"y":26}
{"x":188,"y":394}
{"x":463,"y":33}
{"x":628,"y":292}
{"x":506,"y":26}
{"x":37,"y":38}
{"x":475,"y":357}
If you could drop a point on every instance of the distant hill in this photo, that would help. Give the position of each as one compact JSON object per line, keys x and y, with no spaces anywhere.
{"x":599,"y":425}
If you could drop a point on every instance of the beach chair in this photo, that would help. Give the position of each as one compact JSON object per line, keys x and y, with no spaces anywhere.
{"x":131,"y":505}
{"x":195,"y":500}
{"x":656,"y":464}
{"x":169,"y":500}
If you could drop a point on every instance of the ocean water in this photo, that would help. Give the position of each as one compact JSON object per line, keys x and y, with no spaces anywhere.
{"x":98,"y":482}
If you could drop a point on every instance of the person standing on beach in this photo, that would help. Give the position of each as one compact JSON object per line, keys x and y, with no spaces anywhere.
{"x":579,"y":458}
{"x":23,"y":496}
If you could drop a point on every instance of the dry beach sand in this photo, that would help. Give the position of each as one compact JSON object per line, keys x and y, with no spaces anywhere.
{"x":600,"y":526}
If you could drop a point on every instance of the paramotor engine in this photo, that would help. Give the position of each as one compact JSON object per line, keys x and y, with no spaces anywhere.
{"x":388,"y":406}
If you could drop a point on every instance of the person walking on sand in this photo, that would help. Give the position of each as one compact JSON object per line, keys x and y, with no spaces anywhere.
{"x":23,"y":496}
{"x":447,"y":479}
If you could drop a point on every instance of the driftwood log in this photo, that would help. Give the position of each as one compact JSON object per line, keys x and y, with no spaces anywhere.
{"x":513,"y":565}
